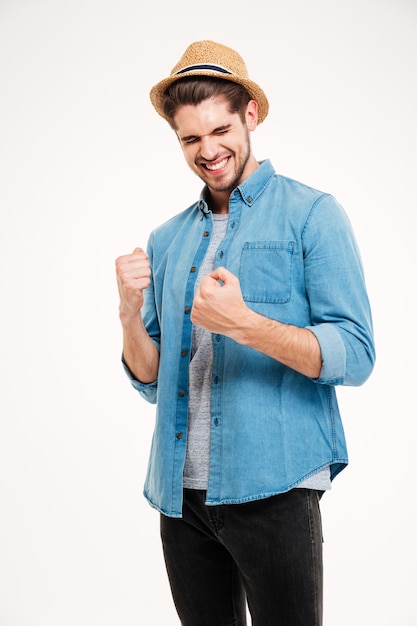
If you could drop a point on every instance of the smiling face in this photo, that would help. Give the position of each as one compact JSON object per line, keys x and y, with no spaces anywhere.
{"x":216,"y":145}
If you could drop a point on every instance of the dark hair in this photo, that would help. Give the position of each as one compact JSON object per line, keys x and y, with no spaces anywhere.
{"x":195,"y":90}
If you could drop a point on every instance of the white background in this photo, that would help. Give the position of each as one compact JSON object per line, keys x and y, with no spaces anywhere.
{"x":87,"y":168}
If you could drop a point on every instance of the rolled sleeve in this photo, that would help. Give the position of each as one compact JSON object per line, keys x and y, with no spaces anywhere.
{"x":147,"y":390}
{"x":333,"y":354}
{"x":341,"y":316}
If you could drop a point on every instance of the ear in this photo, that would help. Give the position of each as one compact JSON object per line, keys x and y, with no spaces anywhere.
{"x":252,"y":115}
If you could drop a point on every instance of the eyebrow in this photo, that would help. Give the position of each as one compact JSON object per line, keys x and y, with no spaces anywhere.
{"x":219,"y":129}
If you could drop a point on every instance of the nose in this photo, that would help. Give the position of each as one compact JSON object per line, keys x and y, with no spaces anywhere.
{"x":209,"y":148}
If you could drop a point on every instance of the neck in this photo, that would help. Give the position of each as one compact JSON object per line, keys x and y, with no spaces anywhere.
{"x":218,"y":201}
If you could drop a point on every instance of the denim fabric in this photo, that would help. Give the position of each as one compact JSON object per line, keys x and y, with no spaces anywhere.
{"x":295,"y":254}
{"x":268,"y":552}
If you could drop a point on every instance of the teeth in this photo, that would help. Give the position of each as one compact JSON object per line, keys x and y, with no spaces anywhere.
{"x":218,"y":166}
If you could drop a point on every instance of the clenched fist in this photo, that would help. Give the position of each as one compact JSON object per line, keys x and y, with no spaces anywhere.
{"x":133,"y":273}
{"x":218,"y":303}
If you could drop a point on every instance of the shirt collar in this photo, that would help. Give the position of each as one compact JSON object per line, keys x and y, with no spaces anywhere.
{"x":250,"y":189}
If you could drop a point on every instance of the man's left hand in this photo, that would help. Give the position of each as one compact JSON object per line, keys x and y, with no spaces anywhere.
{"x":218,"y":304}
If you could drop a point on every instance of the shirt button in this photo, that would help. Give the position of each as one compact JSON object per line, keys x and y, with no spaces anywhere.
{"x":181,"y":394}
{"x":184,"y":352}
{"x":250,"y":199}
{"x":179,"y":435}
{"x":193,"y":269}
{"x":206,"y":233}
{"x":187,"y":310}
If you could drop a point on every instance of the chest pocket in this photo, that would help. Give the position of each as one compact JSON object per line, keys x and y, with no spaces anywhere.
{"x":265,"y":271}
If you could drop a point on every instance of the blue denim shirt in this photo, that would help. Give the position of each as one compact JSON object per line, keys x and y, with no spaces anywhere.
{"x":295,"y":254}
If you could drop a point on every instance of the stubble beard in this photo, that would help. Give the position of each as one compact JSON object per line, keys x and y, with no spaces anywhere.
{"x":230,"y":185}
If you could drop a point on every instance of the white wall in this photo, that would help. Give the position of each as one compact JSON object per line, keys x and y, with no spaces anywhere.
{"x":86,"y":170}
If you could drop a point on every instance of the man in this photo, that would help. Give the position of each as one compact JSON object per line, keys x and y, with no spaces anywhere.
{"x":246,"y":311}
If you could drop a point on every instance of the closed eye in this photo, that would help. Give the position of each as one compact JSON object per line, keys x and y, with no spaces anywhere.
{"x":190,"y":140}
{"x":218,"y":132}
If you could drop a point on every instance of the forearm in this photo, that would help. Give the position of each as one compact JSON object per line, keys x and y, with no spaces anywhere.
{"x":139,"y":351}
{"x":297,"y":348}
{"x":140,"y":354}
{"x":220,"y":308}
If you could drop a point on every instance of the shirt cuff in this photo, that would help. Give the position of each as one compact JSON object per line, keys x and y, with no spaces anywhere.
{"x":134,"y":381}
{"x":333,"y":353}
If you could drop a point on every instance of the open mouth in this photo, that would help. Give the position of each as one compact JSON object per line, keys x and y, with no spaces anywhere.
{"x":215,"y":167}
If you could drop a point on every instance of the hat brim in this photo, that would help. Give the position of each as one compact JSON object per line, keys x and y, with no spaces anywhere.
{"x":255,"y":92}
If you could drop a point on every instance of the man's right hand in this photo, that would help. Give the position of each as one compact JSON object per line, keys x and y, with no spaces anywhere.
{"x":133,"y":273}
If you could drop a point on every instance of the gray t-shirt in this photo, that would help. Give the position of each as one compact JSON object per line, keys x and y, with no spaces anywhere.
{"x":198,"y":437}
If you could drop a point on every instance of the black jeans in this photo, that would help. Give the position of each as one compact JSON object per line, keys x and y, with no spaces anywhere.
{"x":267,"y":553}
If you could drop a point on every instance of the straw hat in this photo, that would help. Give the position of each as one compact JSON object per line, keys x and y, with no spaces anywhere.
{"x":208,"y":58}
